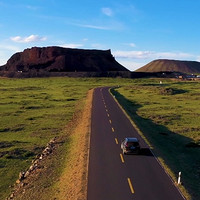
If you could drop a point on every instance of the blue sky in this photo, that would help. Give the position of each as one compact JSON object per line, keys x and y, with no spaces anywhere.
{"x":136,"y":31}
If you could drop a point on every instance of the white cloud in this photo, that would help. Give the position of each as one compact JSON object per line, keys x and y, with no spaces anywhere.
{"x":2,"y":60}
{"x":31,"y":7}
{"x":107,"y":11}
{"x":198,"y":58}
{"x":93,"y":23}
{"x":72,"y":45}
{"x":130,"y":44}
{"x":93,"y":26}
{"x":98,"y":46}
{"x":29,"y":39}
{"x":9,"y":48}
{"x":6,"y":51}
{"x":132,"y":54}
{"x":130,"y":64}
{"x":151,"y":55}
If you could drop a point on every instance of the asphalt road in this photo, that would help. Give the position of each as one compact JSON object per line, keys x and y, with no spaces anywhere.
{"x":114,"y":176}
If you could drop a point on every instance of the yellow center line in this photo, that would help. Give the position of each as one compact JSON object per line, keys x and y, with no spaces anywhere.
{"x":116,"y":141}
{"x":108,"y":115}
{"x":106,"y":110}
{"x":113,"y":130}
{"x":110,"y":121}
{"x":131,"y":186}
{"x":122,"y":159}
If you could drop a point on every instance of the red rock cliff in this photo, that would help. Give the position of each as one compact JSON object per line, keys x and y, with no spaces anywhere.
{"x":58,"y":59}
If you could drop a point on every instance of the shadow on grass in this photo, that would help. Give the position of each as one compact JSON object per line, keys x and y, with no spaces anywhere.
{"x":172,"y":148}
{"x":170,"y":91}
{"x":165,"y":88}
{"x":19,"y":153}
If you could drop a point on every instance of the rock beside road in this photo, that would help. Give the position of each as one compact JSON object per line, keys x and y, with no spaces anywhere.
{"x":33,"y":168}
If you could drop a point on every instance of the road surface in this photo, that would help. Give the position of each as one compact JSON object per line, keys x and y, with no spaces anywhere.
{"x":114,"y":176}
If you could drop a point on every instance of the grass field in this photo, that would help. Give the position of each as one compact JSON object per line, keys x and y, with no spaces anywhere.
{"x":168,"y":115}
{"x":32,"y":111}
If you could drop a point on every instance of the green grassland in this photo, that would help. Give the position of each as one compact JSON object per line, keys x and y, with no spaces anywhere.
{"x":168,"y":115}
{"x":32,"y":111}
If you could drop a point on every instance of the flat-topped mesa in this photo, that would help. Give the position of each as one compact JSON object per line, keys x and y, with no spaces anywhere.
{"x":58,"y":59}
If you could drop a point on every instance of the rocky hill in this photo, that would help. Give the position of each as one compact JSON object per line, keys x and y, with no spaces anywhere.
{"x":164,"y":65}
{"x":58,"y":59}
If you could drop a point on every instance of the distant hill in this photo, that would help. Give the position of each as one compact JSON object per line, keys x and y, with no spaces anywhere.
{"x":164,"y":65}
{"x":58,"y":59}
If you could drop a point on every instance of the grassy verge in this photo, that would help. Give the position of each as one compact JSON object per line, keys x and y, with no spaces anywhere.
{"x":73,"y":180}
{"x":168,"y":116}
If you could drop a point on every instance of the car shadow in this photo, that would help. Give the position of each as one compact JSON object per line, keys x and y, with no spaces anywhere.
{"x":146,"y":152}
{"x":143,"y":152}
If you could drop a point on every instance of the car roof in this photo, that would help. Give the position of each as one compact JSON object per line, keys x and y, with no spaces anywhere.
{"x":129,"y":139}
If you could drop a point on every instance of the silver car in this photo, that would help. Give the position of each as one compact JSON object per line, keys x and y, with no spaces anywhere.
{"x":130,"y":145}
